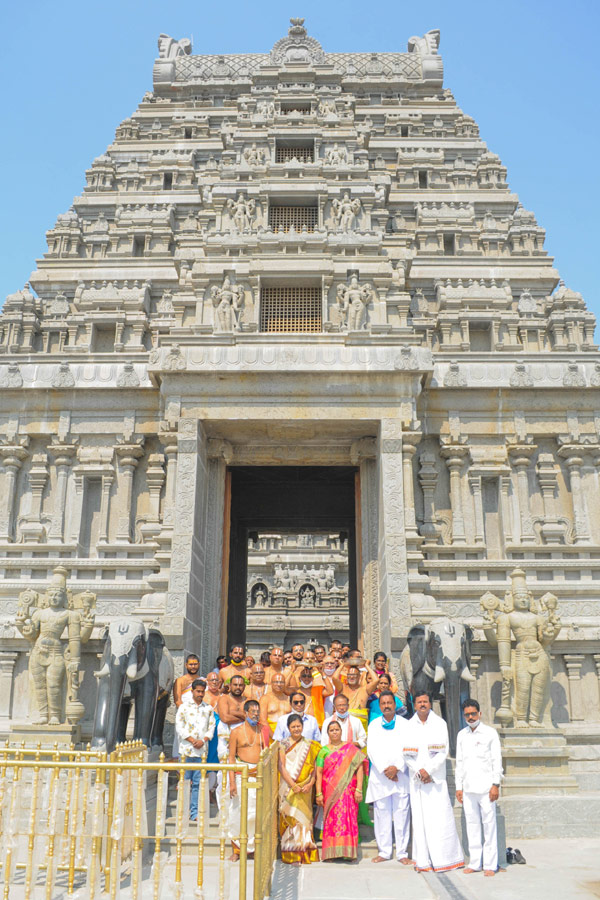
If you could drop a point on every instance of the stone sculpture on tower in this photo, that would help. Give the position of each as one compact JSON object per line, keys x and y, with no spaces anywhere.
{"x":525,"y":669}
{"x":54,"y":665}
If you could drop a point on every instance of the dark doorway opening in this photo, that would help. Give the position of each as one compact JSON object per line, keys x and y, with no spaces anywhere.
{"x":288,"y":499}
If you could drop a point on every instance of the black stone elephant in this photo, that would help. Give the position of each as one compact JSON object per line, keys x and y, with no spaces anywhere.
{"x":136,"y":667}
{"x":437,"y":659}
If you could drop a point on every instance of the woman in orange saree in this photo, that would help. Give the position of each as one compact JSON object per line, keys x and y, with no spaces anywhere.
{"x":297,"y":758}
{"x":339,"y":791}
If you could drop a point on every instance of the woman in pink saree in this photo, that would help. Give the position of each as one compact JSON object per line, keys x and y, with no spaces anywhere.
{"x":339,"y":791}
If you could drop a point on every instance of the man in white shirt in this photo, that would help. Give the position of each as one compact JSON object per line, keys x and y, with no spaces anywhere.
{"x":195,"y":725}
{"x":352,"y":728}
{"x":388,"y":788}
{"x":310,"y":729}
{"x":478,"y":776}
{"x":435,"y":840}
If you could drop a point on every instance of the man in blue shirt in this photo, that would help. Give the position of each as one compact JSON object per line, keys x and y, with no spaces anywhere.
{"x":310,"y":729}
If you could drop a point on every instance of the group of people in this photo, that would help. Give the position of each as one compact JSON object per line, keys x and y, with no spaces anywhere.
{"x":346,"y":740}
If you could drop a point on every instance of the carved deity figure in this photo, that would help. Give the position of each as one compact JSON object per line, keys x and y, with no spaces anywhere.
{"x":353,"y":299}
{"x":346,"y":211}
{"x":336,"y":156}
{"x":526,"y":669}
{"x":265,"y":108}
{"x":326,"y":108}
{"x":260,"y":598}
{"x":254,"y":156}
{"x":308,"y":595}
{"x":42,"y":621}
{"x":227,"y":301}
{"x":242,"y":212}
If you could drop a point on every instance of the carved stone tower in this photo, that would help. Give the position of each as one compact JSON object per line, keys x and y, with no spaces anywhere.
{"x":302,"y":259}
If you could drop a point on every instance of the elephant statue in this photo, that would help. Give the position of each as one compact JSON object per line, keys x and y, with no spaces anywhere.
{"x":135,"y":666}
{"x":436,"y":659}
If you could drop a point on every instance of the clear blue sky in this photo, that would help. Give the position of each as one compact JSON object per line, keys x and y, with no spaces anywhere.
{"x":526,"y":70}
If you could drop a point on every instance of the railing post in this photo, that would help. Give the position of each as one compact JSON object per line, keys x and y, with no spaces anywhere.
{"x":258,"y":828}
{"x":244,"y":833}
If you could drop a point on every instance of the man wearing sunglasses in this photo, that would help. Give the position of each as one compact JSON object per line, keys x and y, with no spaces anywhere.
{"x":478,"y":775}
{"x":310,"y":729}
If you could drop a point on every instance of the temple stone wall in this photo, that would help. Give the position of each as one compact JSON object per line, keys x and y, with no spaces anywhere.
{"x":427,"y":340}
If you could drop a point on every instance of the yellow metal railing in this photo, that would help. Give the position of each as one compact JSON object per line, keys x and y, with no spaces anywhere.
{"x":266,"y":833}
{"x":79,"y":821}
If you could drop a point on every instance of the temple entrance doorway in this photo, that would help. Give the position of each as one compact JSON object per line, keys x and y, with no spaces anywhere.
{"x":291,"y":555}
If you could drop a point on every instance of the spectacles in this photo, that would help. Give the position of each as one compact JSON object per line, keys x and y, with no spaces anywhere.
{"x":297,"y":702}
{"x":472,"y":715}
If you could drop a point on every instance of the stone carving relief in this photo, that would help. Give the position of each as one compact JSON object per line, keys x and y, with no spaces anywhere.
{"x":297,"y":47}
{"x":242,"y":211}
{"x":255,"y":156}
{"x":336,"y":156}
{"x":64,"y":377}
{"x":11,"y":377}
{"x":427,"y":45}
{"x":169,"y":48}
{"x":454,"y":377}
{"x":346,"y":212}
{"x":526,"y":669}
{"x":128,"y":377}
{"x":42,"y":620}
{"x":227,"y":301}
{"x":353,"y":299}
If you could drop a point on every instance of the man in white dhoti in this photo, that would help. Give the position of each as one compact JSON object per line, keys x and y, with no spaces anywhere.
{"x":245,"y":746}
{"x":435,"y":840}
{"x":478,"y":776}
{"x":388,"y":788}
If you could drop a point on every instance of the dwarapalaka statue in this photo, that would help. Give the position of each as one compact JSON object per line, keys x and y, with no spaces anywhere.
{"x":526,"y":668}
{"x":42,"y":619}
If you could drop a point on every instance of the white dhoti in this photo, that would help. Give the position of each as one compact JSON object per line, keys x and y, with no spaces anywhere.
{"x":235,"y":804}
{"x":480,"y":813}
{"x":391,"y":818}
{"x":435,"y":840}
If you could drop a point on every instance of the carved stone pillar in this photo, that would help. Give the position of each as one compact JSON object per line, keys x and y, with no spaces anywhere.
{"x":473,"y":668}
{"x":507,"y":519}
{"x":12,"y":456}
{"x":63,"y":459}
{"x":169,"y":442}
{"x":107,"y":480}
{"x":571,"y":454}
{"x":155,"y":478}
{"x":128,"y":456}
{"x":552,"y":529}
{"x":7,"y":667}
{"x":220,"y":455}
{"x":409,"y":448}
{"x":597,"y":664}
{"x":363,"y":453}
{"x":455,"y":455}
{"x":475,"y":484}
{"x":574,"y":662}
{"x":393,"y":572}
{"x":428,"y":476}
{"x":520,"y":456}
{"x":32,"y":530}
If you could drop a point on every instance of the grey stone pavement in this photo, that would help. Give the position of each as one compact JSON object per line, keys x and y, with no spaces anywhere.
{"x":556,"y":870}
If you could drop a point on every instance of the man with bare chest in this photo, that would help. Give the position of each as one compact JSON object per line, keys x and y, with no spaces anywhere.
{"x":230,"y":707}
{"x":213,"y":689}
{"x":258,"y":687}
{"x":276,"y":667}
{"x":275,"y":703}
{"x":245,"y":746}
{"x":237,"y":665}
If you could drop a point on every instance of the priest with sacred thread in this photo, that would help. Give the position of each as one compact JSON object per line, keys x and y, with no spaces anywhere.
{"x":435,"y":840}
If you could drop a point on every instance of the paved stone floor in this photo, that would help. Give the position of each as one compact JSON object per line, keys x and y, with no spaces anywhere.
{"x":555,"y":869}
